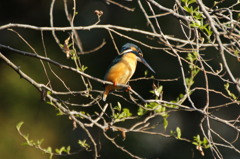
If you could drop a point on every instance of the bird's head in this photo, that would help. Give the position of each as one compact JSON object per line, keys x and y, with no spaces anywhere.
{"x":132,"y":48}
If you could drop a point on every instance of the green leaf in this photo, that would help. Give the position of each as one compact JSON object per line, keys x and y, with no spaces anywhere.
{"x":49,"y":150}
{"x":198,"y":16}
{"x":191,"y":1}
{"x":19,"y":125}
{"x":83,"y":68}
{"x":189,"y":10}
{"x":68,"y":150}
{"x":189,"y":82}
{"x":58,"y":151}
{"x":145,"y":73}
{"x":179,"y":134}
{"x":197,"y":140}
{"x":141,"y":111}
{"x":184,"y":1}
{"x":158,"y":91}
{"x":209,"y":31}
{"x":202,"y":143}
{"x":159,"y":109}
{"x":127,"y":112}
{"x":121,"y":116}
{"x":63,"y":149}
{"x":118,"y":107}
{"x":226,"y":86}
{"x":206,"y":144}
{"x":59,"y":113}
{"x":83,"y":143}
{"x":39,"y":142}
{"x":165,"y":123}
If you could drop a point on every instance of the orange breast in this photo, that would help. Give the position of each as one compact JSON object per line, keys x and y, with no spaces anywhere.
{"x":121,"y":72}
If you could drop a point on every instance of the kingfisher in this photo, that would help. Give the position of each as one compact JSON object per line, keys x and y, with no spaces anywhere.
{"x":123,"y":67}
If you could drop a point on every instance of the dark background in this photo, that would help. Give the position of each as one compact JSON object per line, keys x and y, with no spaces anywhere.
{"x":19,"y":101}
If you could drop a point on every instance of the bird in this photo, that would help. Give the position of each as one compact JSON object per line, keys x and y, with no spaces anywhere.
{"x":123,"y":67}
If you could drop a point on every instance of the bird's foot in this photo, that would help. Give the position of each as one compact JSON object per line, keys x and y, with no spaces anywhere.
{"x":128,"y":89}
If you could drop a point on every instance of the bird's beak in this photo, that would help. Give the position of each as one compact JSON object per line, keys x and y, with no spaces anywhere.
{"x":141,"y":59}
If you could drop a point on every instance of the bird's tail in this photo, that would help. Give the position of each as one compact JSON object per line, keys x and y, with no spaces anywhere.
{"x":105,"y":94}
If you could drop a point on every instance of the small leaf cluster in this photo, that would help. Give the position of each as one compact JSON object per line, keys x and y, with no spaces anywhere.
{"x":63,"y":150}
{"x":70,"y":51}
{"x":156,"y":108}
{"x":38,"y":144}
{"x":84,"y":144}
{"x":202,"y":143}
{"x":194,"y":70}
{"x":157,"y":91}
{"x":177,"y":133}
{"x":198,"y":17}
{"x":121,"y":114}
{"x":226,"y":86}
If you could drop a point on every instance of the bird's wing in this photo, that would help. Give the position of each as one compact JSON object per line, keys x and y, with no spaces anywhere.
{"x":116,"y":60}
